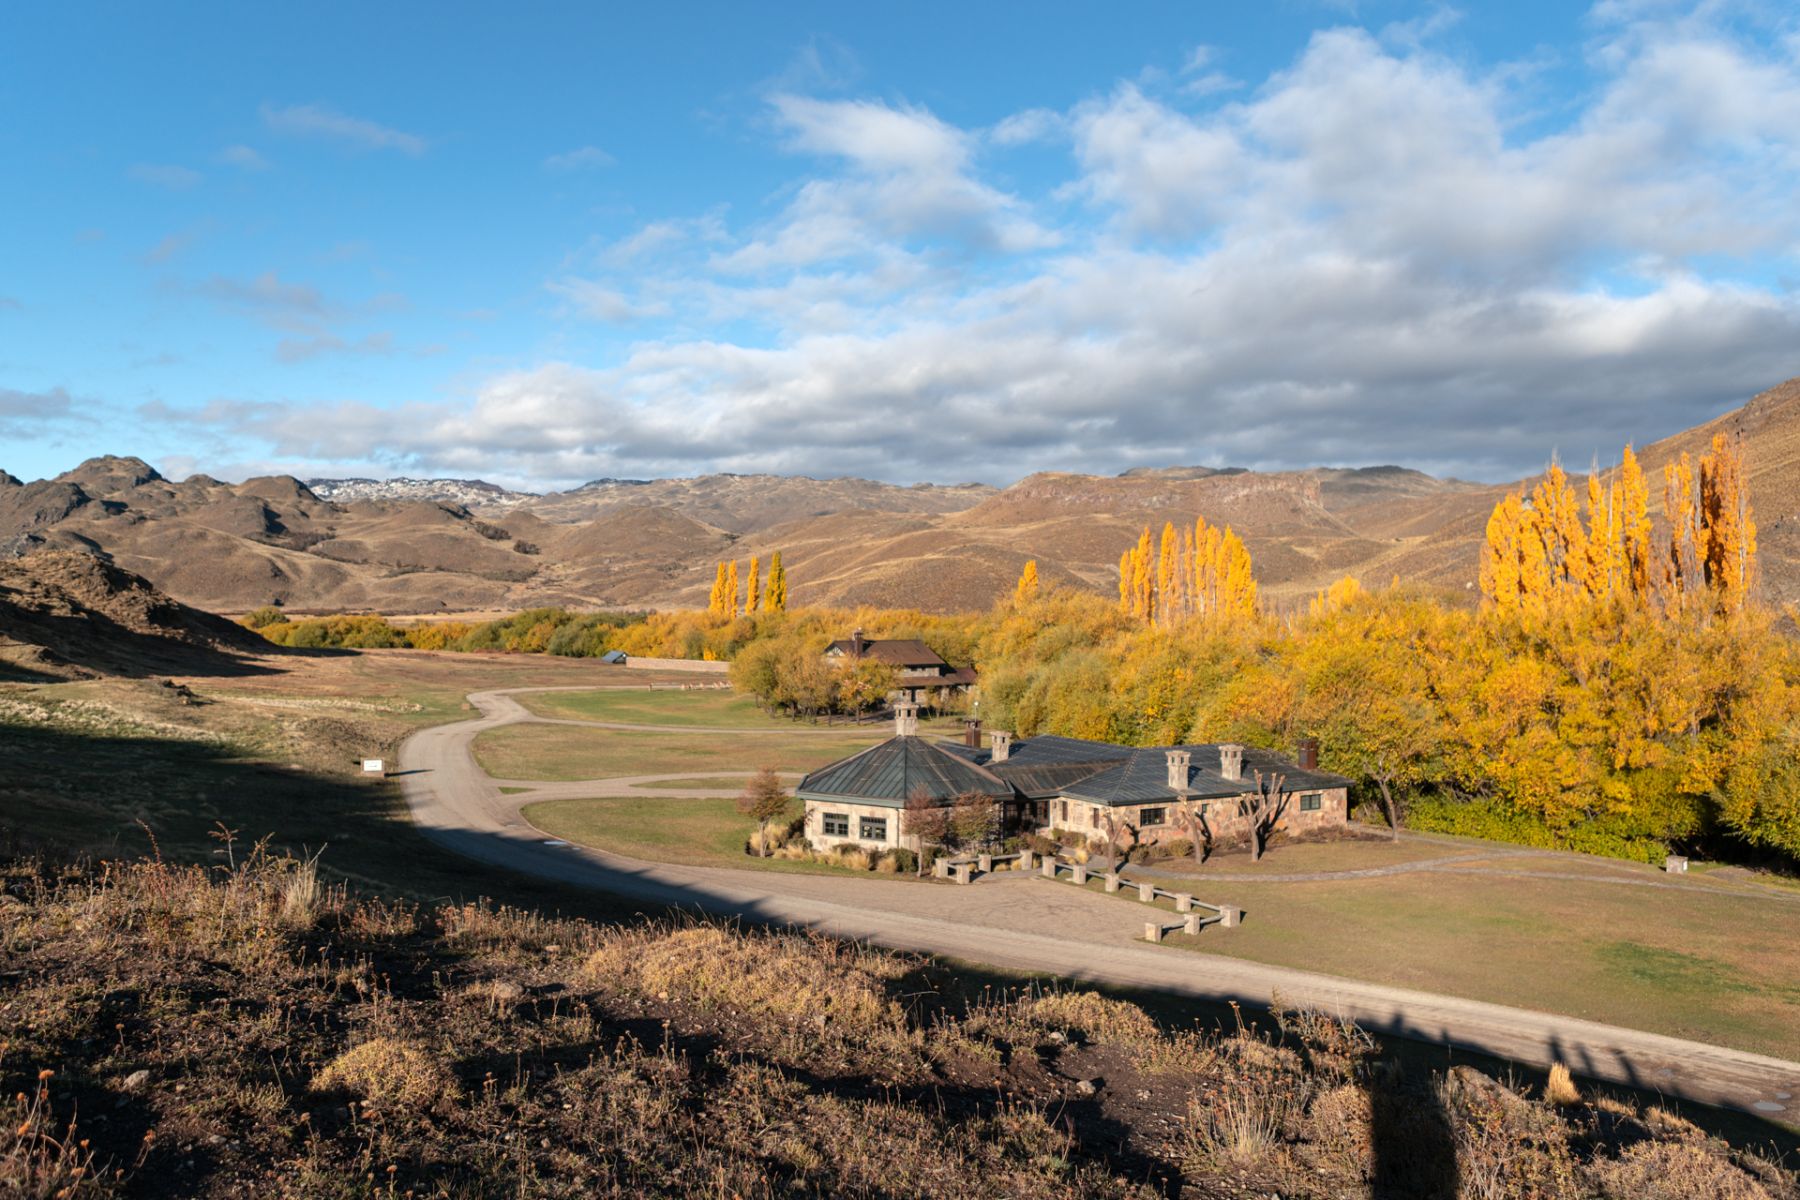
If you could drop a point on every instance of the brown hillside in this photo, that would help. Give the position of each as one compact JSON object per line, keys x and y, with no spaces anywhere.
{"x":65,"y":614}
{"x":845,"y":541}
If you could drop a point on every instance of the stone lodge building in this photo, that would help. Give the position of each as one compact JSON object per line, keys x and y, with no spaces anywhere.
{"x":920,"y":668}
{"x":1048,"y":782}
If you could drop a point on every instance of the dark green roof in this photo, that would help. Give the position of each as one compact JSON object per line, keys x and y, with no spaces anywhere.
{"x":898,"y":768}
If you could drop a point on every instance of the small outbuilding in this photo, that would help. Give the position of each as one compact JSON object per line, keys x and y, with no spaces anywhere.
{"x":616,"y":657}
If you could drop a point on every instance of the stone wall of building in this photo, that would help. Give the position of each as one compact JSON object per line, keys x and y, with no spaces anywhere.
{"x":1223,"y":816}
{"x":816,"y":811}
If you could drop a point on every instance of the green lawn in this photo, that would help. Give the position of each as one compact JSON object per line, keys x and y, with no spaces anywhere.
{"x":705,"y":781}
{"x":564,"y":752}
{"x":703,"y":833}
{"x":1712,"y":968}
{"x":700,"y":708}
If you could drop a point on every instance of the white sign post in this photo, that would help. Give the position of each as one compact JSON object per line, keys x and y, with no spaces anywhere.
{"x":374,"y":766}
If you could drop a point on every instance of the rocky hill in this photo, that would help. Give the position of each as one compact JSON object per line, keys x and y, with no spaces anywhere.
{"x":471,"y":493}
{"x":67,"y":614}
{"x":410,"y":546}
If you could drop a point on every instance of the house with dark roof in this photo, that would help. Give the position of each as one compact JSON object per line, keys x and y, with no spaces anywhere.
{"x":1048,"y":782}
{"x":924,"y":676}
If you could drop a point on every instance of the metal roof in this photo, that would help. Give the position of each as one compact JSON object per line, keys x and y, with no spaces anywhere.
{"x":890,"y":773}
{"x":899,"y":652}
{"x":1045,"y":766}
{"x":1144,"y":777}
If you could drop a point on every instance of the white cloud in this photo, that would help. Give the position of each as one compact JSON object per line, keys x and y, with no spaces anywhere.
{"x":1379,"y":253}
{"x":584,"y":159}
{"x":243,"y":157}
{"x":316,"y":120}
{"x":601,"y":303}
{"x":165,"y":175}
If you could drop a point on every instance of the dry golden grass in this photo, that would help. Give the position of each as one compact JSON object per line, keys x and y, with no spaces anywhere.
{"x":206,"y":1044}
{"x":1559,"y":1089}
{"x":386,"y":1072}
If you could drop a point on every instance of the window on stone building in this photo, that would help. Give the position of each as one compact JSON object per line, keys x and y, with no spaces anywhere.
{"x":1311,"y":802}
{"x":1152,"y":816}
{"x":837,"y":824}
{"x":872,"y":829}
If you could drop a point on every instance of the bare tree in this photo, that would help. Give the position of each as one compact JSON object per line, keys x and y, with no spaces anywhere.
{"x":974,"y":819}
{"x":763,"y":799}
{"x":1192,"y":816}
{"x":1264,"y":807}
{"x":925,"y":821}
{"x":1121,"y":836}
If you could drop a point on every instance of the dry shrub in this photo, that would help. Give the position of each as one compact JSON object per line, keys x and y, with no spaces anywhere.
{"x":1239,"y":1127}
{"x":1559,"y":1089}
{"x":887,"y":864}
{"x":855,"y":860}
{"x":39,"y":1157}
{"x":1338,"y":1128}
{"x":1095,"y":1017}
{"x":497,"y":996}
{"x":388,"y":1072}
{"x":1674,"y":1171}
{"x":800,"y":992}
{"x":1490,"y":1123}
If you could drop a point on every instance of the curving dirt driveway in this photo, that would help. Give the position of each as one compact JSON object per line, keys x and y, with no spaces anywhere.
{"x":1024,"y":923}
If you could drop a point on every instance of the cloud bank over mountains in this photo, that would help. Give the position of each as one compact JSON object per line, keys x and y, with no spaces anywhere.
{"x":1379,"y":253}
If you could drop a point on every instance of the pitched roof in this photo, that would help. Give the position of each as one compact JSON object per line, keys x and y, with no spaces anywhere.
{"x":899,"y":652}
{"x":1143,"y":778}
{"x":1046,"y":765}
{"x":889,"y":773}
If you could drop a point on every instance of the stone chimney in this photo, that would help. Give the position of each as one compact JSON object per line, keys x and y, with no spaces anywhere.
{"x":1002,"y":747}
{"x":906,"y":719}
{"x":857,"y":644}
{"x":1178,"y":770}
{"x":972,"y":733}
{"x":1308,"y":757}
{"x":1231,"y":761}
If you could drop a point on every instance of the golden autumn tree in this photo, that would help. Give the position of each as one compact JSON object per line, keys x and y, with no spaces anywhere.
{"x":1026,"y":590}
{"x":1682,"y":558}
{"x":731,"y":589}
{"x":1728,"y":549}
{"x":1143,"y":592}
{"x":751,"y":598}
{"x":1167,"y":604}
{"x":715,"y":604}
{"x":1205,"y":573}
{"x":775,"y":594}
{"x":1635,"y":530}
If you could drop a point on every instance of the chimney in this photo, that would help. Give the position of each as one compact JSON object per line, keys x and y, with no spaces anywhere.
{"x":972,"y":733}
{"x":1002,"y":747}
{"x":856,"y":644}
{"x":1309,"y":754}
{"x":1178,"y":770}
{"x":1231,"y":761}
{"x":906,"y":719}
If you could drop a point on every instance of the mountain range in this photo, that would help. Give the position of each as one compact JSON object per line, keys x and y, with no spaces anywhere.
{"x":421,"y":546}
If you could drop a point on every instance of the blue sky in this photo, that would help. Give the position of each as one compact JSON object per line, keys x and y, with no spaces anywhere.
{"x":913,"y":242}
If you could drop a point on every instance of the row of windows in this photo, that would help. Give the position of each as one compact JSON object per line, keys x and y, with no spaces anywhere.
{"x":1309,"y":802}
{"x":868,"y":829}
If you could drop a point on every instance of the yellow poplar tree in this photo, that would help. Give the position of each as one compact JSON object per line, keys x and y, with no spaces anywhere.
{"x":1166,"y":583}
{"x":716,"y":604}
{"x":1634,"y":525}
{"x":731,"y":589}
{"x":1027,"y":589}
{"x":775,"y":595}
{"x":1681,"y":568}
{"x":751,"y":598}
{"x":1125,"y":580}
{"x":1143,"y":601}
{"x":1729,"y":545}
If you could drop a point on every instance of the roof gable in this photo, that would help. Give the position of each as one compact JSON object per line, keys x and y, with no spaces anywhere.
{"x":892,"y":772}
